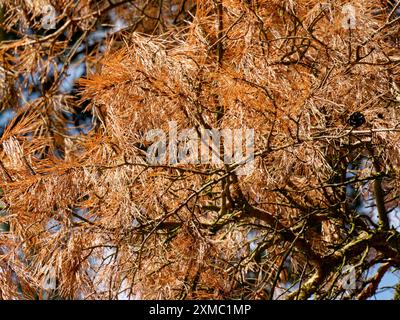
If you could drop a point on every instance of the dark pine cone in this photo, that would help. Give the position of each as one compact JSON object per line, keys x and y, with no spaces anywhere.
{"x":356,"y":120}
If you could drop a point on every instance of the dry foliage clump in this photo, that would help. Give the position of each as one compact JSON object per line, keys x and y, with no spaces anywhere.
{"x":102,"y":222}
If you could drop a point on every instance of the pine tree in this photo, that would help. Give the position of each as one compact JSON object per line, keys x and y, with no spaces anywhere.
{"x":90,"y":216}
